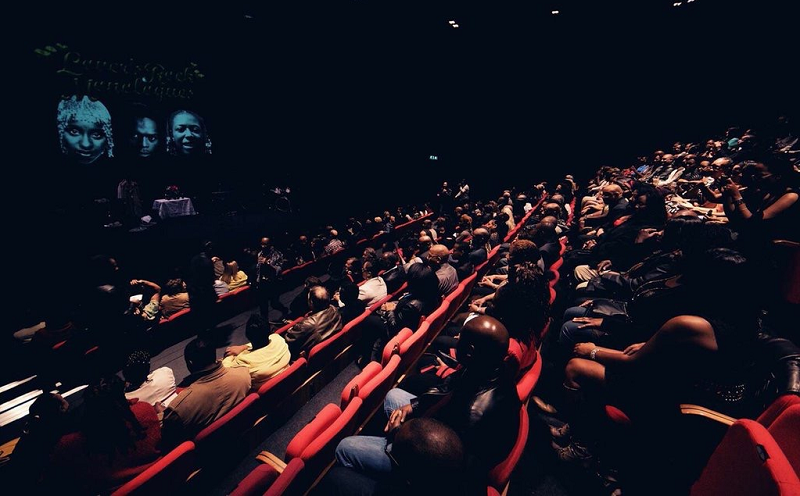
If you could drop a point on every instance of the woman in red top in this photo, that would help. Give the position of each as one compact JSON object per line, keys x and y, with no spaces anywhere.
{"x":117,"y":440}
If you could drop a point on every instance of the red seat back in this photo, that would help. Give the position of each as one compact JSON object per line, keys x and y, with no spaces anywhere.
{"x":166,"y":475}
{"x":777,"y":407}
{"x":747,"y":461}
{"x":412,"y":348}
{"x":786,"y":432}
{"x":529,"y":379}
{"x":374,"y":391}
{"x":282,"y":386}
{"x":227,"y":428}
{"x":437,"y":319}
{"x":357,"y":383}
{"x":256,"y":482}
{"x":312,"y":430}
{"x":319,"y":453}
{"x":501,"y":473}
{"x":287,"y":483}
{"x":393,"y":346}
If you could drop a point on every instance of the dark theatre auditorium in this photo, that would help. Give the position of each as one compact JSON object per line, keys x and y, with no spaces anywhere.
{"x":364,"y":247}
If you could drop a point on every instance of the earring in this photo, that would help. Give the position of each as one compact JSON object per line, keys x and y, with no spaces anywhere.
{"x":169,"y":147}
{"x":208,"y":146}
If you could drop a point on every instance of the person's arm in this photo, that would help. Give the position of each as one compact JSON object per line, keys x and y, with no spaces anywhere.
{"x":676,"y":333}
{"x":156,"y":297}
{"x":736,"y":206}
{"x":236,"y":350}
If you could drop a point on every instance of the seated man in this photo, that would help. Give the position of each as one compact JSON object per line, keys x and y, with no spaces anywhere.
{"x":458,"y":259}
{"x":480,"y":404}
{"x":428,"y":458}
{"x":213,"y":392}
{"x":323,"y":322}
{"x":445,"y":273}
{"x":265,"y":356}
{"x":374,"y":288}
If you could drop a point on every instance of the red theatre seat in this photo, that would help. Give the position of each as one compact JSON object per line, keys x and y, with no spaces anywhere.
{"x":747,"y":461}
{"x":165,"y":475}
{"x":500,"y":475}
{"x":357,"y":383}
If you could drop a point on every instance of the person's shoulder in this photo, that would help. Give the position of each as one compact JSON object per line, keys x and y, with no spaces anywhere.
{"x":686,"y":326}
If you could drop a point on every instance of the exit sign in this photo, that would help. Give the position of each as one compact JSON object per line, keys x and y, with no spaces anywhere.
{"x":434,"y":157}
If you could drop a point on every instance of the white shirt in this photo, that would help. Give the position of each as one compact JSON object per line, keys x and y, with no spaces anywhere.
{"x":159,"y":386}
{"x":372,"y":291}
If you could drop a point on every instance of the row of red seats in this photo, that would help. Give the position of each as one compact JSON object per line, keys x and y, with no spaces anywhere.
{"x":311,"y":450}
{"x":318,"y":440}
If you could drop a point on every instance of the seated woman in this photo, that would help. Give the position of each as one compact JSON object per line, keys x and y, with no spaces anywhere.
{"x":117,"y":441}
{"x":420,"y":300}
{"x":233,"y":277}
{"x":174,"y":299}
{"x":769,"y":208}
{"x":708,"y":345}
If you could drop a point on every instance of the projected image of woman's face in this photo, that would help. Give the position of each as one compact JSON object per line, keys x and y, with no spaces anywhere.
{"x":187,"y":131}
{"x":85,"y":139}
{"x":146,"y":138}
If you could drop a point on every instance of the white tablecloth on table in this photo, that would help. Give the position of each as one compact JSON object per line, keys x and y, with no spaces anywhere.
{"x":174,"y":208}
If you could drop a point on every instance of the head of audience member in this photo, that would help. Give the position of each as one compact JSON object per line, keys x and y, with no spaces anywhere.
{"x":465,"y":222}
{"x":557,"y":198}
{"x":265,"y":243}
{"x":776,"y":172}
{"x":437,"y":255}
{"x":370,"y":254}
{"x":428,"y":457}
{"x":522,"y":250}
{"x":423,"y":283}
{"x":137,"y":368}
{"x":352,"y":267}
{"x":482,"y":345}
{"x":318,"y":298}
{"x":523,"y":304}
{"x":348,"y":293}
{"x":174,"y":286}
{"x":480,"y":236}
{"x":257,"y":331}
{"x":424,"y":243}
{"x":552,"y":210}
{"x":230,"y":271}
{"x":389,"y":260}
{"x":648,"y":206}
{"x":612,"y":194}
{"x":311,"y":281}
{"x":200,"y":355}
{"x":544,"y":233}
{"x":722,"y":163}
{"x":369,"y":269}
{"x":460,"y":249}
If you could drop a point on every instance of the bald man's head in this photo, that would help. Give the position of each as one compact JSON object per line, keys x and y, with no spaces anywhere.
{"x":482,"y":343}
{"x":480,"y":236}
{"x":612,"y":194}
{"x":430,"y":456}
{"x":437,"y":255}
{"x":318,"y":298}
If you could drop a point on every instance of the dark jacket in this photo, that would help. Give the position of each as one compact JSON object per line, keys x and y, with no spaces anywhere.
{"x":394,"y":278}
{"x":484,"y":413}
{"x":314,"y":329}
{"x":407,"y":313}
